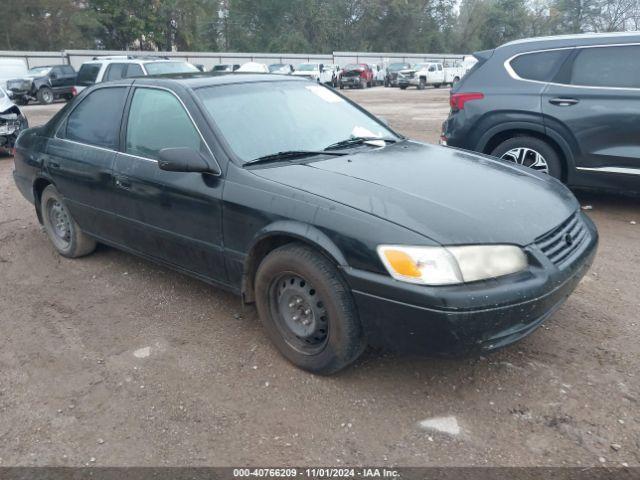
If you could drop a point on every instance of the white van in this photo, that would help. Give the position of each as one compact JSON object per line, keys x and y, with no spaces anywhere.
{"x":11,"y":68}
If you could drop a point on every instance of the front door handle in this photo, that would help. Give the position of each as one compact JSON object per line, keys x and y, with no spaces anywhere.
{"x":123,"y":183}
{"x":563,"y":102}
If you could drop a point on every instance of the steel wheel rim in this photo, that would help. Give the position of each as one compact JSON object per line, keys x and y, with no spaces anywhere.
{"x":299,"y":313}
{"x":60,"y":222}
{"x":527,"y":157}
{"x":47,"y":96}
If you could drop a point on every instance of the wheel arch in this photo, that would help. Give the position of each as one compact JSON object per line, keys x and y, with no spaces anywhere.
{"x":39,"y":184}
{"x":276,"y":235}
{"x":495,"y":136}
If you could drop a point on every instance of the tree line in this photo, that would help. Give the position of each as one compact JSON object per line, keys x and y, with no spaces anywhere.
{"x":302,"y":26}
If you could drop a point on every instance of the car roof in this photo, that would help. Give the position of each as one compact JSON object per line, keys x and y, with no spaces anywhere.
{"x":206,"y":79}
{"x":573,"y":40}
{"x":133,"y":60}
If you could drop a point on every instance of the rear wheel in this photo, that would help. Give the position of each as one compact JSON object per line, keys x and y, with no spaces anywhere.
{"x":530,"y":152}
{"x":437,"y":85}
{"x":422,"y":84}
{"x":45,"y":96}
{"x":307,"y":309}
{"x":65,"y":234}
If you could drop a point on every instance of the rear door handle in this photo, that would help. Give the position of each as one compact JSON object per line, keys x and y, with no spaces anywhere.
{"x":563,"y":102}
{"x":122,"y":182}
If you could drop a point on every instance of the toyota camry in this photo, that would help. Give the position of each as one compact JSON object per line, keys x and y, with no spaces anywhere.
{"x":340,"y":230}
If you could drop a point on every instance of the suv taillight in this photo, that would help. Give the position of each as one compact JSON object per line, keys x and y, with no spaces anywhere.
{"x":74,"y":91}
{"x":457,"y":100}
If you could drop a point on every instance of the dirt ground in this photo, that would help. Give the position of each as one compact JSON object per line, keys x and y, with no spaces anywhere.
{"x":111,"y":360}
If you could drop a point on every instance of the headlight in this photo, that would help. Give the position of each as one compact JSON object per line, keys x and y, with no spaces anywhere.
{"x":451,"y":265}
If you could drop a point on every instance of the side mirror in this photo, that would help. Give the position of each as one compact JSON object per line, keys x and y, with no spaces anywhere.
{"x":184,"y":159}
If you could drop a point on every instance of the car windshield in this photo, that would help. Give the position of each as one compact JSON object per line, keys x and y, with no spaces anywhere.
{"x":39,"y":71}
{"x":353,"y":66}
{"x":264,"y":118}
{"x":276,"y":67}
{"x":159,"y":68}
{"x":221,"y":68}
{"x":307,"y":67}
{"x":88,"y":74}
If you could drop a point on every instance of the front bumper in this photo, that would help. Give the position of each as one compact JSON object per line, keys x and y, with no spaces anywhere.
{"x":472,"y":318}
{"x":351,"y":81}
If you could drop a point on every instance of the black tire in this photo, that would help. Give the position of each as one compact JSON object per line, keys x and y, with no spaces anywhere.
{"x":549,"y":154}
{"x":22,"y":101}
{"x":337,"y":339}
{"x":422,"y":83}
{"x":45,"y":96}
{"x":74,"y":242}
{"x":403,"y":87}
{"x":68,"y":96}
{"x":455,"y":80}
{"x":437,"y":85}
{"x":341,"y":87}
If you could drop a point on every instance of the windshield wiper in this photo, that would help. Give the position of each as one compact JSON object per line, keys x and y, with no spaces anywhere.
{"x":358,"y":141}
{"x":290,"y":154}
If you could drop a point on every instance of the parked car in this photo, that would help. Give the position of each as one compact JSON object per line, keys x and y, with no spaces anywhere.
{"x":253,"y":67}
{"x":358,"y":75}
{"x":422,"y":74}
{"x":314,"y":71}
{"x":103,"y":69}
{"x":44,"y":84}
{"x":225,"y":68}
{"x":391,"y":77}
{"x":12,"y":121}
{"x":454,"y":70}
{"x":568,"y":106}
{"x":340,"y":230}
{"x":11,"y":68}
{"x":332,"y":74}
{"x":281,"y":68}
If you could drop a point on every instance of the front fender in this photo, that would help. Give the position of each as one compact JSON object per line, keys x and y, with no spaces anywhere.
{"x":304,"y":232}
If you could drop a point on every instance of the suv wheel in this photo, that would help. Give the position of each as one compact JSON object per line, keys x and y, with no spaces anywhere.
{"x":422,"y":84}
{"x":530,"y":152}
{"x":45,"y":96}
{"x":307,"y":309}
{"x":65,"y":234}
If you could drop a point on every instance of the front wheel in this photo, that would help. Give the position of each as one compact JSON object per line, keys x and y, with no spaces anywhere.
{"x":63,"y":231}
{"x":437,"y":85}
{"x":530,"y":152}
{"x":307,"y":309}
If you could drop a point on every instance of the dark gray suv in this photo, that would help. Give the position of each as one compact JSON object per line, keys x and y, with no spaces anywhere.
{"x":567,"y":105}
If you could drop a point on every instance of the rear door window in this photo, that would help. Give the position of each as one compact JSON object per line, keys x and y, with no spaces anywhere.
{"x":96,"y":121}
{"x":540,"y":66}
{"x":158,"y":120}
{"x":607,"y":67}
{"x":88,"y":74}
{"x":115,"y":71}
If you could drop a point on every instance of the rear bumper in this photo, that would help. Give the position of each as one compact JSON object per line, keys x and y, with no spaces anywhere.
{"x":24,"y":185}
{"x":466,"y":319}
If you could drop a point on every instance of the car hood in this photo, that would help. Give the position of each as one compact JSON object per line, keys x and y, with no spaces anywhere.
{"x":451,"y":196}
{"x":6,"y":104}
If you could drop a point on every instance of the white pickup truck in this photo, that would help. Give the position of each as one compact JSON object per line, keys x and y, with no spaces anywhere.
{"x":453,"y":71}
{"x":422,"y":74}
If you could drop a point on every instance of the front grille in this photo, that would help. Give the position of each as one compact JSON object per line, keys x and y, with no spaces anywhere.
{"x":562,"y":242}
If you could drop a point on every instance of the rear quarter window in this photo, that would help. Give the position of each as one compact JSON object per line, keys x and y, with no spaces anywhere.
{"x":540,"y":66}
{"x":87,"y":74}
